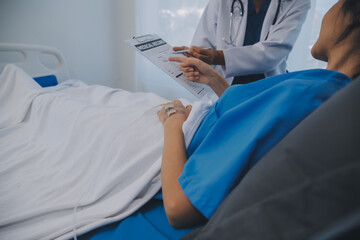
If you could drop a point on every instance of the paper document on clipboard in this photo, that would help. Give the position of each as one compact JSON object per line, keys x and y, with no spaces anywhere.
{"x":158,"y":51}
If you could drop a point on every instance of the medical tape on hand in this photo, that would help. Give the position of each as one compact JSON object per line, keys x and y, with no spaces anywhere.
{"x":170,"y":111}
{"x":168,"y":106}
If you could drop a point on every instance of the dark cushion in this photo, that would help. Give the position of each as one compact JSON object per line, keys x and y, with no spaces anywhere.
{"x":305,"y":184}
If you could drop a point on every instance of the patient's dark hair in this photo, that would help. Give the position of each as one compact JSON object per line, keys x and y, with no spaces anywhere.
{"x":351,"y":7}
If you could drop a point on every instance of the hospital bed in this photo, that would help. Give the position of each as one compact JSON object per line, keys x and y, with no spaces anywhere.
{"x":37,"y":147}
{"x":260,"y":205}
{"x":114,"y":137}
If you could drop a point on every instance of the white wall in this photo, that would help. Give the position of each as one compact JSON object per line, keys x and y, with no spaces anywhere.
{"x":90,"y":34}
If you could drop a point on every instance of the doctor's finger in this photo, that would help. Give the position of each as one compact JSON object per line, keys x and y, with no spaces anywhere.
{"x":196,"y":49}
{"x":194,"y":53}
{"x":200,"y":50}
{"x":204,"y":58}
{"x":180,"y":48}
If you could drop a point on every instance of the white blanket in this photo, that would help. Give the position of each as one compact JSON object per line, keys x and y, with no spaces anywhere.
{"x":75,"y":157}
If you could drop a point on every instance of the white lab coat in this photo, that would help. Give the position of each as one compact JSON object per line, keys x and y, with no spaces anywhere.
{"x":269,"y":55}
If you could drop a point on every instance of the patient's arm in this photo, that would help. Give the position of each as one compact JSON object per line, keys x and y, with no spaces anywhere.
{"x":179,"y":210}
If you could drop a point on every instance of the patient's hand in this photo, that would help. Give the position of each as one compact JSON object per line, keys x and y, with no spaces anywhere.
{"x":174,"y":113}
{"x":178,"y":208}
{"x":196,"y":70}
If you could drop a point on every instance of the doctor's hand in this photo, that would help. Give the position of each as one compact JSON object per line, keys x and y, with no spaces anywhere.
{"x":175,"y":49}
{"x":209,"y":56}
{"x":196,"y":70}
{"x":174,"y":113}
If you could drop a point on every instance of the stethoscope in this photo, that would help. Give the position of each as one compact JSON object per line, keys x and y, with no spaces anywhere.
{"x":240,"y":7}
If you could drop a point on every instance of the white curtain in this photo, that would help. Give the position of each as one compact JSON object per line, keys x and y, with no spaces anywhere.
{"x":175,"y":22}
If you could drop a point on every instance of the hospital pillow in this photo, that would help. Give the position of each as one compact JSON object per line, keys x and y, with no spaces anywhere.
{"x":46,"y":81}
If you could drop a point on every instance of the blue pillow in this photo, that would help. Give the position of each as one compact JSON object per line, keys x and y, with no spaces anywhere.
{"x":47,"y":81}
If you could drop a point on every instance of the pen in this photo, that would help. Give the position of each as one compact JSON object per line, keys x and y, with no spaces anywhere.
{"x":185,"y":51}
{"x":181,"y":51}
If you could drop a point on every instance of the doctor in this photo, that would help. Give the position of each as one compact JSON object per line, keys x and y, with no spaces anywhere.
{"x":248,"y":40}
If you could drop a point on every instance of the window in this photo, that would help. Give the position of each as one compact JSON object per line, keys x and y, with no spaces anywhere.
{"x":176,"y":21}
{"x":300,"y":58}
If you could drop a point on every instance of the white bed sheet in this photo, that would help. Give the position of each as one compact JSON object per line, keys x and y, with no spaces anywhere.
{"x":76,"y":155}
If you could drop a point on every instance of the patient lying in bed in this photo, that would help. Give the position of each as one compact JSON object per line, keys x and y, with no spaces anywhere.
{"x":76,"y":157}
{"x":84,"y":156}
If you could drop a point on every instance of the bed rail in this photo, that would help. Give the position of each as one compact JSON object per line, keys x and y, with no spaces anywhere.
{"x":31,"y":59}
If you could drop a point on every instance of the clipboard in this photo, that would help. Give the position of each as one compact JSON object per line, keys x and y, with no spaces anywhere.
{"x":158,"y":51}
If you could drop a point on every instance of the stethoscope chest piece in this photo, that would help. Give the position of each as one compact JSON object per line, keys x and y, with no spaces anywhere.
{"x":233,"y":9}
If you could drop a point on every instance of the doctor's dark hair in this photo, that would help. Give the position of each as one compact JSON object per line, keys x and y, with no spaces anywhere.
{"x":351,"y":8}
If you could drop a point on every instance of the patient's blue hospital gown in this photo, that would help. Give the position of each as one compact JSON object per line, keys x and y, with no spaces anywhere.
{"x":242,"y":126}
